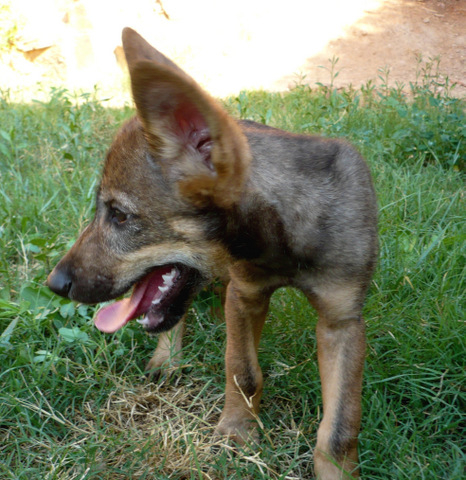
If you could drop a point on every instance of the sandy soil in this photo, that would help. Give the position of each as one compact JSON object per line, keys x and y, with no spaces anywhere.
{"x":249,"y":44}
{"x":394,"y":36}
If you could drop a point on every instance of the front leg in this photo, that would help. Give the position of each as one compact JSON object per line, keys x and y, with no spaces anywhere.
{"x":341,"y":351}
{"x":246,"y":307}
{"x":167,"y":355}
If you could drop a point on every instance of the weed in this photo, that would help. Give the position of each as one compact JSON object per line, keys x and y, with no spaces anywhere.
{"x":333,"y":73}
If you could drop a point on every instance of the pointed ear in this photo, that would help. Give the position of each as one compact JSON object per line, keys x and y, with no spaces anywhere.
{"x":138,"y":49}
{"x":200,"y":146}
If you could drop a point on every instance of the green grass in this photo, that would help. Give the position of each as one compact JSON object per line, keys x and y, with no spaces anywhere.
{"x":73,"y":403}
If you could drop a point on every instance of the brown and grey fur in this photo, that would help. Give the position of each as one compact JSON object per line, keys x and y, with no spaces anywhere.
{"x":260,"y":206}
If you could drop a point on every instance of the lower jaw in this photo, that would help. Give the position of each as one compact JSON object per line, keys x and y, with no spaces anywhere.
{"x":151,"y":321}
{"x":163,"y":323}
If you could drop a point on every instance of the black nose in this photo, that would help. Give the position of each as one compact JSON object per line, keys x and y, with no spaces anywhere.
{"x":59,"y":281}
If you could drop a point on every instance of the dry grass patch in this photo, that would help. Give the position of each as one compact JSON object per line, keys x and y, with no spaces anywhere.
{"x":169,"y":427}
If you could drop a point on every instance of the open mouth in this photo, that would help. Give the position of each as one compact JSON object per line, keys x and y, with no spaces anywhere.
{"x":160,"y":298}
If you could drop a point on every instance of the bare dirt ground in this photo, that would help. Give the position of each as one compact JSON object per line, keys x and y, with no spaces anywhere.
{"x":394,"y":36}
{"x":252,"y":44}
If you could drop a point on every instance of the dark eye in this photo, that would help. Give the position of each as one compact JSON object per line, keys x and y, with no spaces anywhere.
{"x":117,"y":216}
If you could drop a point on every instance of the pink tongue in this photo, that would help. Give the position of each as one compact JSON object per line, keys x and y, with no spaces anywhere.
{"x":111,"y":318}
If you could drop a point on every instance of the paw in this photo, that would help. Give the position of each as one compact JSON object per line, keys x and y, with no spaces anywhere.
{"x":327,"y":468}
{"x":240,"y":432}
{"x":161,"y":366}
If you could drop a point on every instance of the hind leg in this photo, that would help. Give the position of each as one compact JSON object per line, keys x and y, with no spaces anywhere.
{"x":341,"y":348}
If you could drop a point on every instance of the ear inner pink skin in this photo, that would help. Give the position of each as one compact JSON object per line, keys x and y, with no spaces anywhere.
{"x":191,"y":128}
{"x":112,"y":317}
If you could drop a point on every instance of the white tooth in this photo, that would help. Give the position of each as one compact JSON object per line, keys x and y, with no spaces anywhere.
{"x":143,"y":321}
{"x":163,"y":289}
{"x":168,"y":277}
{"x":156,"y":301}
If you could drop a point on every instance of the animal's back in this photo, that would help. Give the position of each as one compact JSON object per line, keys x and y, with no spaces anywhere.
{"x":319,"y":197}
